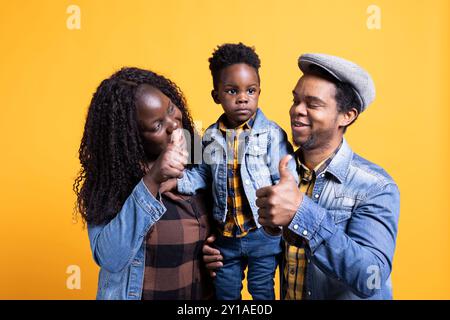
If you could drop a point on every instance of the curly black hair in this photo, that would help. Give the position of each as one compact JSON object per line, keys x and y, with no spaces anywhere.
{"x":111,"y":153}
{"x":228,"y":54}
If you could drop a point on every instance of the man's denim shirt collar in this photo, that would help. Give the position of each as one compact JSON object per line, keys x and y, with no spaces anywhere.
{"x":339,"y":166}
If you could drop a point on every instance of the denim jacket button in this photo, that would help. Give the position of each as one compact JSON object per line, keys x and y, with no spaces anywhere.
{"x":295,"y":226}
{"x":305,"y":232}
{"x":247,"y":182}
{"x":316,"y":196}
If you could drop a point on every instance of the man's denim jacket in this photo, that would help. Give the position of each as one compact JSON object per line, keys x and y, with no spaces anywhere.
{"x":350,"y":225}
{"x":265,"y":144}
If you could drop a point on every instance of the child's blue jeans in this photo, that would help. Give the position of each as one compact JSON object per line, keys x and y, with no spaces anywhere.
{"x":259,"y":251}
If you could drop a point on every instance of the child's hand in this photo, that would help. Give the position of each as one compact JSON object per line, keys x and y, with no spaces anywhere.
{"x":168,"y":185}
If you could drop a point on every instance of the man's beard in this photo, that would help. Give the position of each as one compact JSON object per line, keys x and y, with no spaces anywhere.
{"x":308,"y":144}
{"x":318,"y":139}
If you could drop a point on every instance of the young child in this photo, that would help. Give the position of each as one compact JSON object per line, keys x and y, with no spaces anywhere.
{"x":241,"y":153}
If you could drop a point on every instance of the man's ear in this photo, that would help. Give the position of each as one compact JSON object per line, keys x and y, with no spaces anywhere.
{"x":348,"y":117}
{"x":215,"y":96}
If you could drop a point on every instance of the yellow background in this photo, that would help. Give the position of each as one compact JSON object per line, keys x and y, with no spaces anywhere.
{"x":48,"y":74}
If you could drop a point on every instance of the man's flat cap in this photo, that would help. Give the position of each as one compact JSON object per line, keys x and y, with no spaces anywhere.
{"x":344,"y":71}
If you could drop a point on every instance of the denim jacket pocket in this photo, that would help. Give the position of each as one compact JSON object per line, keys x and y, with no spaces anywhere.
{"x":257,"y":144}
{"x":344,"y":199}
{"x":341,"y":215}
{"x":342,"y":207}
{"x":257,"y":150}
{"x":256,"y":163}
{"x":256,"y":157}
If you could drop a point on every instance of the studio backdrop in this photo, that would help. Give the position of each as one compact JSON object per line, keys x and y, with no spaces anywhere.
{"x":55,"y":53}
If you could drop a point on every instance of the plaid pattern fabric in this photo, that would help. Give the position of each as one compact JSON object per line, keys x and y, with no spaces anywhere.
{"x":239,"y":220}
{"x":174,"y":268}
{"x":294,"y":250}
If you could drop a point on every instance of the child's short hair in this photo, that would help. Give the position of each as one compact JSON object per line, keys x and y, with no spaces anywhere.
{"x":229,"y":54}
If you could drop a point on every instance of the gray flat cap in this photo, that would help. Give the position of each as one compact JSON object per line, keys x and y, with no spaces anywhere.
{"x":344,"y":71}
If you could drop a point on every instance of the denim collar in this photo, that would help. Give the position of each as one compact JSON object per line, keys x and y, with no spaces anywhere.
{"x":222,"y":124}
{"x":340,"y":164}
{"x":259,"y":125}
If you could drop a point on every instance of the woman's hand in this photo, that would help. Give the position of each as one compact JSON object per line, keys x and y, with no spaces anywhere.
{"x":170,"y":163}
{"x":211,"y":256}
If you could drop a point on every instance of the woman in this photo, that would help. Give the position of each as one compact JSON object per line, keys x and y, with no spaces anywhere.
{"x":147,"y":244}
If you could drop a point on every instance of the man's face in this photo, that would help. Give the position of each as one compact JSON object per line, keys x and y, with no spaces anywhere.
{"x":315,"y":120}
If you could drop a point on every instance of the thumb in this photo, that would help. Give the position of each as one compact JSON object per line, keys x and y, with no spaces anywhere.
{"x":175,"y":137}
{"x":285,"y":174}
{"x":211,"y":238}
{"x":178,"y":139}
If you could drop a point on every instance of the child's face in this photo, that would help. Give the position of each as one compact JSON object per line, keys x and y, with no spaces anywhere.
{"x":238,"y":93}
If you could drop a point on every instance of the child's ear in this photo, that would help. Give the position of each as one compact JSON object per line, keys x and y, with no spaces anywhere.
{"x":215,"y":96}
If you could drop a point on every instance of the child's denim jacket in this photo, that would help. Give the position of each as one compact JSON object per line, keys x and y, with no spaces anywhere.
{"x":265,"y":145}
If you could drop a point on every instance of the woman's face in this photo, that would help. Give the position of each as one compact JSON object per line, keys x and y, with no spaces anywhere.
{"x":157,"y":117}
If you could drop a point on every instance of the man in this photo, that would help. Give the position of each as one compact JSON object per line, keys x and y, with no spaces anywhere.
{"x":340,"y":223}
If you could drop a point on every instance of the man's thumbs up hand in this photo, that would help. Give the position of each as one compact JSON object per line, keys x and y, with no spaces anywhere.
{"x":278,"y":204}
{"x":285,"y":174}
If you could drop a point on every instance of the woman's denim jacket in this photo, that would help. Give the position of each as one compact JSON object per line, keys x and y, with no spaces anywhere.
{"x":118,"y":247}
